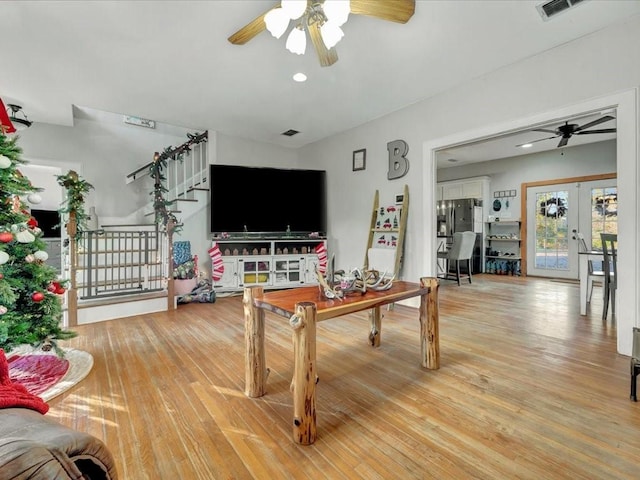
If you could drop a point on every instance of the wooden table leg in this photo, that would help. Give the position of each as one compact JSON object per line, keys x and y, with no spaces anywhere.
{"x":255,"y":369}
{"x":303,"y":385}
{"x":429,"y":317}
{"x":376,"y":326}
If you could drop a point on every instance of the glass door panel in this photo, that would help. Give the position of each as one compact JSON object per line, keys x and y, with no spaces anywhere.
{"x":552,"y":215}
{"x":604,"y":213}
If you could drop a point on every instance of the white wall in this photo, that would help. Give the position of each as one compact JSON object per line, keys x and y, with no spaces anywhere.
{"x":240,"y":151}
{"x":510,"y":173}
{"x":106,"y":152}
{"x":594,"y":66}
{"x":45,"y":178}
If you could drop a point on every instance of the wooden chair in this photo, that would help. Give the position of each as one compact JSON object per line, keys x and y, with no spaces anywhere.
{"x":594,"y":274}
{"x":461,"y":250}
{"x":609,"y":266}
{"x":635,"y":363}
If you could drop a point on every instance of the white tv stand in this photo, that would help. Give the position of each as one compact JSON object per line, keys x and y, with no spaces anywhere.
{"x":283,"y":262}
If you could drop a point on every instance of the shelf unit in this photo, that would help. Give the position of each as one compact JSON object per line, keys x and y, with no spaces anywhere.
{"x":503,"y":254}
{"x":271,"y":263}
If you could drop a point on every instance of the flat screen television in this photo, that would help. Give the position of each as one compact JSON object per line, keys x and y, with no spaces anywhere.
{"x":48,"y":221}
{"x":266,"y":201}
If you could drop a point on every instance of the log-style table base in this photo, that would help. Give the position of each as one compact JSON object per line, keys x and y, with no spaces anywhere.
{"x":305,"y":307}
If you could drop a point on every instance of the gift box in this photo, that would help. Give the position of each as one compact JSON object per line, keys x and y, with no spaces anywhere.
{"x":181,"y":252}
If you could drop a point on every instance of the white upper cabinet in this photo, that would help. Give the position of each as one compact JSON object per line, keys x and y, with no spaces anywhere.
{"x":468,"y":188}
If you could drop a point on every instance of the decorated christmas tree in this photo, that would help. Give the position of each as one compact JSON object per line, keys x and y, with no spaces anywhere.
{"x":30,"y":303}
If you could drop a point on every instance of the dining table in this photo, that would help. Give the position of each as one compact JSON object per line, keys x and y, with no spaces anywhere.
{"x":585,"y":257}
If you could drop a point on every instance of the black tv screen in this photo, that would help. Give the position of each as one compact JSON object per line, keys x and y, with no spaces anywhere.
{"x":260,"y":200}
{"x":48,"y":221}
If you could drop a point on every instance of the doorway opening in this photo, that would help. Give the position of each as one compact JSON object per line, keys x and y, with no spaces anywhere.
{"x":627,"y":152}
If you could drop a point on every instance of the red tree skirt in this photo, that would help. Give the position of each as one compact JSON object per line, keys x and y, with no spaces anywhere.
{"x":37,"y":372}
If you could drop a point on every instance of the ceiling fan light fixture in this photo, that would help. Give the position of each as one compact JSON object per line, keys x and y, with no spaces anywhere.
{"x":297,"y":41}
{"x":294,"y":8}
{"x":331,"y":34}
{"x":337,"y":11}
{"x":276,"y":22}
{"x":19,"y":122}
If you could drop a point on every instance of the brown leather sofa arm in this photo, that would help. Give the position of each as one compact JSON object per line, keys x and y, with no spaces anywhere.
{"x":35,"y":447}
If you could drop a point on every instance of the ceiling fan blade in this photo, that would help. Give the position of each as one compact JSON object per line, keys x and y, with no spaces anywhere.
{"x":399,"y":11}
{"x":563,"y":141}
{"x":251,"y":29}
{"x":604,"y":130}
{"x":600,"y":120}
{"x":543,"y":130}
{"x":326,"y":56}
{"x":536,"y":141}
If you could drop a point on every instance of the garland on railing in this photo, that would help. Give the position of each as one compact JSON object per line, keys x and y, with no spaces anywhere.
{"x":77,"y":188}
{"x":163,"y":216}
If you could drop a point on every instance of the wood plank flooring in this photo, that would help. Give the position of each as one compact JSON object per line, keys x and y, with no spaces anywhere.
{"x":527,"y":389}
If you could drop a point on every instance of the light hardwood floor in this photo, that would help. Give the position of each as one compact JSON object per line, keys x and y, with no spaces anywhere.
{"x":527,"y":389}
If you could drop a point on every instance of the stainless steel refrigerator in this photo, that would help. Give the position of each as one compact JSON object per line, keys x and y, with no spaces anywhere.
{"x":462,"y":215}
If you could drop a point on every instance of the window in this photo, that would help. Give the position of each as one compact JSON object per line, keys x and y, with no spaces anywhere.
{"x":604,"y":214}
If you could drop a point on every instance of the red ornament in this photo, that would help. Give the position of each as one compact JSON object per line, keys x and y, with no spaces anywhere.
{"x":37,"y":297}
{"x":53,"y":287}
{"x":1,"y":275}
{"x":59,"y":291}
{"x":6,"y":237}
{"x":32,"y":222}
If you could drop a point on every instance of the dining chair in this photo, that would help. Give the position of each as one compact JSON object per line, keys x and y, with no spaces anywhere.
{"x":593,"y":273}
{"x":461,"y":251}
{"x":635,"y":363}
{"x":609,"y":266}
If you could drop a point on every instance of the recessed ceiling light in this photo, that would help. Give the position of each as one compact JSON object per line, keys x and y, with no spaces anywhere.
{"x":526,"y":145}
{"x":300,"y":77}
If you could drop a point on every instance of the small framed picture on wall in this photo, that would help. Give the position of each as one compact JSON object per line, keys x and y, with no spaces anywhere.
{"x":359,"y":159}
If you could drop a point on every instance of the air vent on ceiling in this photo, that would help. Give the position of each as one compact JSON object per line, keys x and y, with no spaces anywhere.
{"x":290,"y":133}
{"x":554,"y":7}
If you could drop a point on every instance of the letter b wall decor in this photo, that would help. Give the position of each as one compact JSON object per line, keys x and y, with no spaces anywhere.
{"x":398,"y":163}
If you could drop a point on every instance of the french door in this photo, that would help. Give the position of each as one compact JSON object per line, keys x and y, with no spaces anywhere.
{"x":552,"y":213}
{"x":555,"y":213}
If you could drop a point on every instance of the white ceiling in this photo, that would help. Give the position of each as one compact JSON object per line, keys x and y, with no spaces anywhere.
{"x":508,"y":145}
{"x":170,"y":61}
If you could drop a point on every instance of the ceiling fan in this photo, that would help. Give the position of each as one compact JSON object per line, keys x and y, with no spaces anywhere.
{"x":568,"y":130}
{"x":314,"y":18}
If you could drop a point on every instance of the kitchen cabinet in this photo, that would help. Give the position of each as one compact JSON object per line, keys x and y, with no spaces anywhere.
{"x":475,"y":187}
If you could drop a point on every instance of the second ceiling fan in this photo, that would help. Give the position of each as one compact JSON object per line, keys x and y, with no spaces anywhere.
{"x":568,"y":130}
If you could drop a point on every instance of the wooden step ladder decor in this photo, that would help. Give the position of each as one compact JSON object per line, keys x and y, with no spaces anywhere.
{"x":386,"y":236}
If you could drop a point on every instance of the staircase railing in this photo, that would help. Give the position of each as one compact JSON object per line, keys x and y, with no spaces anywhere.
{"x":187,"y":171}
{"x":188,"y":174}
{"x":118,"y":262}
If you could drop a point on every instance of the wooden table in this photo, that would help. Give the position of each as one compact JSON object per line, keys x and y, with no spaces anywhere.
{"x":583,"y":267}
{"x":304,"y":307}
